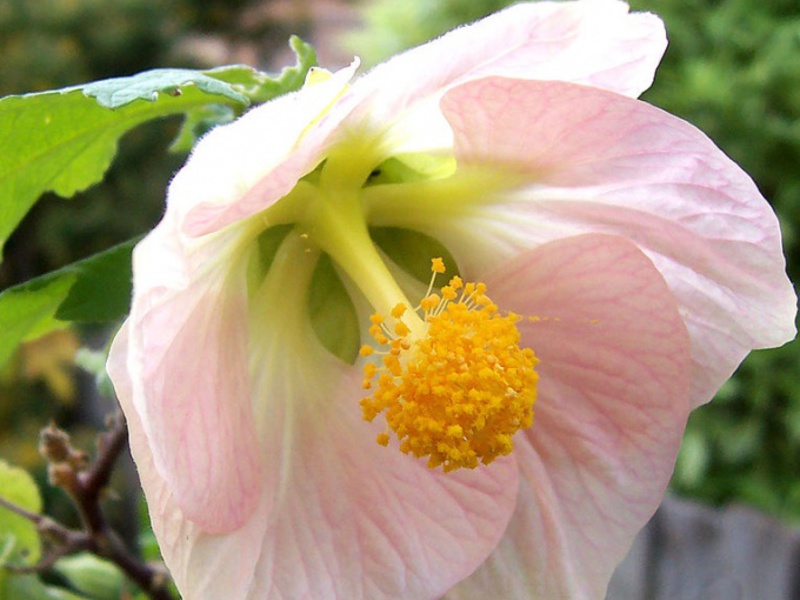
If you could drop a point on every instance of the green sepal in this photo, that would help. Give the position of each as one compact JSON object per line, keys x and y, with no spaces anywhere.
{"x":412,"y":251}
{"x":332,"y":312}
{"x":94,"y":290}
{"x":268,"y":243}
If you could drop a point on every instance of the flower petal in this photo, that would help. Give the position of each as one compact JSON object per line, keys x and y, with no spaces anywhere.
{"x":592,"y":41}
{"x":603,"y":162}
{"x":188,"y":343}
{"x":355,"y":520}
{"x":596,"y":42}
{"x":186,"y":356}
{"x":611,"y":409}
{"x":338,"y":515}
{"x":169,"y":522}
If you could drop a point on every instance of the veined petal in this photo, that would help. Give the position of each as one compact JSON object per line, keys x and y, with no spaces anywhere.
{"x":596,"y":42}
{"x":355,"y":520}
{"x":338,"y":515}
{"x":598,"y":161}
{"x":169,"y":522}
{"x":187,"y":352}
{"x":186,"y":357}
{"x":611,"y":409}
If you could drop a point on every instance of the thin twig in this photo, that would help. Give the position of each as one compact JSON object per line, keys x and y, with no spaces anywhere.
{"x":64,"y":541}
{"x":111,"y":444}
{"x":84,"y":483}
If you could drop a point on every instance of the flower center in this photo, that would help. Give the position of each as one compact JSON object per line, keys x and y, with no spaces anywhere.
{"x":460,"y":391}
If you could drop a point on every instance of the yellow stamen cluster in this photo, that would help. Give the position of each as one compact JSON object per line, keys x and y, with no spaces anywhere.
{"x":461,"y":391}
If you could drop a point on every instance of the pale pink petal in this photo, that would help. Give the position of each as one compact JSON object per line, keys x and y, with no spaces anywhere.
{"x":355,"y":520}
{"x":187,"y":359}
{"x":593,"y":41}
{"x":169,"y":523}
{"x":596,"y":42}
{"x":339,"y":516}
{"x":598,"y":161}
{"x":188,"y":344}
{"x":242,"y":168}
{"x":612,"y":405}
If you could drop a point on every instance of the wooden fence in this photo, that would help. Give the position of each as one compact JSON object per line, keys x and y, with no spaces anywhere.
{"x":692,"y":552}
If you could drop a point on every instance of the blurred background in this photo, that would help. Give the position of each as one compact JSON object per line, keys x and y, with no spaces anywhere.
{"x":732,"y":69}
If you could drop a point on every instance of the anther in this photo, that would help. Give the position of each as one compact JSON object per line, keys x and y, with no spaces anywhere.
{"x":457,"y":392}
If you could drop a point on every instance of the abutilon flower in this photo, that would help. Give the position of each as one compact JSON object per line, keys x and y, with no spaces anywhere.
{"x":314,"y":414}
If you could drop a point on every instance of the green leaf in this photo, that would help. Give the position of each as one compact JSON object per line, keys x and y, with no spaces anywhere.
{"x":149,"y":85}
{"x":64,"y":141}
{"x":146,"y":540}
{"x":258,"y":87}
{"x":19,"y":540}
{"x":261,"y":87}
{"x":102,"y":288}
{"x":94,"y":290}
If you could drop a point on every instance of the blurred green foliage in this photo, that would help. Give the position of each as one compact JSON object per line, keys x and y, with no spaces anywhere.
{"x":732,"y":69}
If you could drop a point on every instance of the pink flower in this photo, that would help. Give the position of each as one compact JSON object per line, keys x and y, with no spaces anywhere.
{"x":643,"y":262}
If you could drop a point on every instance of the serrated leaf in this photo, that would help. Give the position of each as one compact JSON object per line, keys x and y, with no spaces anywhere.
{"x":260,"y":87}
{"x":94,"y":290}
{"x":149,"y":85}
{"x":64,"y":141}
{"x":18,"y":536}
